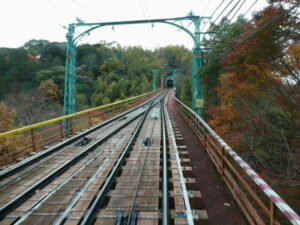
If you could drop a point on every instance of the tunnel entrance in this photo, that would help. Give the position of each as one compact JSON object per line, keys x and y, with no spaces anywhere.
{"x":170,"y":83}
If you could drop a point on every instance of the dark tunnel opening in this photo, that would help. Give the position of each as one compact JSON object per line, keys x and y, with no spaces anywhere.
{"x":170,"y":83}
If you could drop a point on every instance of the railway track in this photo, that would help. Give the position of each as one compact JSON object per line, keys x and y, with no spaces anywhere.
{"x":124,"y":171}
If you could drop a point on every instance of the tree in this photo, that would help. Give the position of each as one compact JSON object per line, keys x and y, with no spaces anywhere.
{"x":223,"y":34}
{"x":186,"y":91}
{"x":51,"y":89}
{"x":82,"y":101}
{"x":56,"y":73}
{"x":258,"y":107}
{"x":176,"y":57}
{"x":35,"y":47}
{"x":113,"y":64}
{"x":97,"y":99}
{"x":37,"y":108}
{"x":6,"y":118}
{"x":9,"y":145}
{"x":106,"y":100}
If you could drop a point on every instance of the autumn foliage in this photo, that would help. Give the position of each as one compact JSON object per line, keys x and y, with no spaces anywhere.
{"x":9,"y":145}
{"x":258,"y":109}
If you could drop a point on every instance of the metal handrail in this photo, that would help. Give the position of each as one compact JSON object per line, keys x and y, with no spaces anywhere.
{"x":36,"y":125}
{"x":204,"y":132}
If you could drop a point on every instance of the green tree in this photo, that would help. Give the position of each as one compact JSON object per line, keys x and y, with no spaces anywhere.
{"x":223,"y":34}
{"x":51,"y":89}
{"x":35,"y":47}
{"x":56,"y":73}
{"x":82,"y":101}
{"x":186,"y":91}
{"x":106,"y":100}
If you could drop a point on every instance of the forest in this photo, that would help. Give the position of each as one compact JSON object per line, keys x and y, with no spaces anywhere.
{"x":251,"y":83}
{"x":251,"y":78}
{"x":32,"y":76}
{"x":253,"y":90}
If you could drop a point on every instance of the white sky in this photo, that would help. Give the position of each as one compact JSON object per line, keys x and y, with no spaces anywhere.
{"x":23,"y":20}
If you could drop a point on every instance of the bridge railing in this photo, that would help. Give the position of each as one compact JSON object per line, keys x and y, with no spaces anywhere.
{"x":21,"y":142}
{"x":258,"y":201}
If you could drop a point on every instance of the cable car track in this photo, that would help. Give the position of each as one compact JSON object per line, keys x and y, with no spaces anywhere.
{"x":129,"y":163}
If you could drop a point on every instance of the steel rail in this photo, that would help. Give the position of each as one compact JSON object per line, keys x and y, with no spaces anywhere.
{"x":132,"y":215}
{"x":98,"y":200}
{"x":165,"y":188}
{"x":188,"y":210}
{"x":61,"y":219}
{"x":61,"y":185}
{"x":31,"y":160}
{"x":4,"y":210}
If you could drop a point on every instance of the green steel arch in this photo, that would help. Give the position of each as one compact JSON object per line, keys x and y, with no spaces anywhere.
{"x":70,"y":75}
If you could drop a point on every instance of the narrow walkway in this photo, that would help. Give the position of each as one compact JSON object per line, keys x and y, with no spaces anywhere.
{"x":216,"y":198}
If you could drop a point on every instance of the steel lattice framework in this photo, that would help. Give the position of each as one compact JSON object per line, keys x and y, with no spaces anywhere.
{"x":72,"y":40}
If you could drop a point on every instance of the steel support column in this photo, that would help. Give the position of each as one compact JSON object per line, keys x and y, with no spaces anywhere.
{"x":70,"y":78}
{"x":174,"y":80}
{"x":197,"y":93}
{"x":154,"y":79}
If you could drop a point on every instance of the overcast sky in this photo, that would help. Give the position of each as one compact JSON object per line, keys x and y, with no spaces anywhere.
{"x":23,"y":20}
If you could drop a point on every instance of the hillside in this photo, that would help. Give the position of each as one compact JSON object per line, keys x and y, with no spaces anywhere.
{"x":32,"y":77}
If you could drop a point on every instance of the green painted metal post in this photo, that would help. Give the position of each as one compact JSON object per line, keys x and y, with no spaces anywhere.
{"x":70,"y":80}
{"x":174,"y":80}
{"x":154,"y":79}
{"x":197,"y":95}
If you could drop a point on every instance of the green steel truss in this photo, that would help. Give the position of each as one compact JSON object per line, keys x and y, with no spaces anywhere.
{"x":70,"y":76}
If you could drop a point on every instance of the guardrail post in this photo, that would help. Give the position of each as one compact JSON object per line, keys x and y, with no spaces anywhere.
{"x":61,"y":129}
{"x":272,"y":212}
{"x":90,"y":119}
{"x":196,"y":125}
{"x":71,"y":126}
{"x":33,"y":139}
{"x":223,"y":161}
{"x":205,"y":138}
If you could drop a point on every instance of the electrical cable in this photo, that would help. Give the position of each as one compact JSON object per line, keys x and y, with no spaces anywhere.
{"x":230,"y":20}
{"x":85,"y":9}
{"x":244,"y":14}
{"x":257,"y":31}
{"x":222,"y":12}
{"x":206,"y":7}
{"x":213,"y":13}
{"x":62,"y":9}
{"x":228,"y":14}
{"x":142,"y":7}
{"x":147,"y":9}
{"x":217,"y":8}
{"x":239,"y":8}
{"x":219,"y":15}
